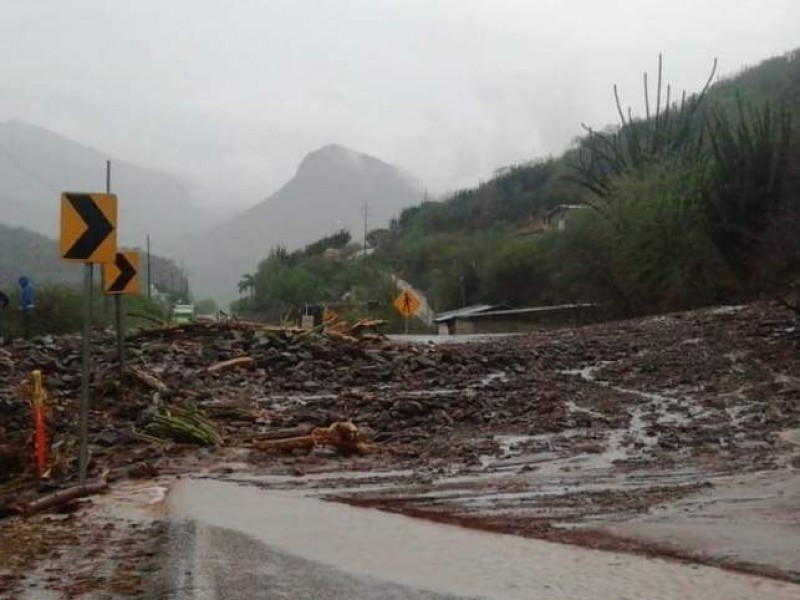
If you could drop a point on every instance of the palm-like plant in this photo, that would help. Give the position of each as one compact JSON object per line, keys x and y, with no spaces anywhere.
{"x":247,"y":285}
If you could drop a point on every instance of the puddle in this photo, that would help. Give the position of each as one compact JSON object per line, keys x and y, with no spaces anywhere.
{"x":790,"y":436}
{"x":500,"y":376}
{"x":727,"y":310}
{"x":320,"y":484}
{"x":433,"y":393}
{"x":511,"y":445}
{"x":657,"y":409}
{"x":450,"y":339}
{"x":574,"y":408}
{"x":585,"y":373}
{"x":752,"y":518}
{"x":294,"y":398}
{"x":451,"y":560}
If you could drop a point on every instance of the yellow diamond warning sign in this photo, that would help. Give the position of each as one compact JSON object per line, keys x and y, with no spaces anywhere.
{"x":407,"y":303}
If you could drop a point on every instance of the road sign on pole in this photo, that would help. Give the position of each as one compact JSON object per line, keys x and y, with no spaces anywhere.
{"x":88,"y":227}
{"x":88,"y":235}
{"x":122,"y":275}
{"x":407,"y":304}
{"x":121,"y":278}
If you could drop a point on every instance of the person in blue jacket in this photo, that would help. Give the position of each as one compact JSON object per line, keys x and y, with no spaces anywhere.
{"x":4,"y":302}
{"x":26,"y":304}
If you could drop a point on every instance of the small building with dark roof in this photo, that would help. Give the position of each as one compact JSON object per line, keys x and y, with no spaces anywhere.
{"x":489,"y":318}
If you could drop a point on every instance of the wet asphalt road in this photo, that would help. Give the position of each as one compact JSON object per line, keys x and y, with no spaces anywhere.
{"x":211,"y":563}
{"x":232,"y":541}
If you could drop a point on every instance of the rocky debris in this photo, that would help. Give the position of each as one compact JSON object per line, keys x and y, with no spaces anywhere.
{"x":708,"y":387}
{"x":202,"y":382}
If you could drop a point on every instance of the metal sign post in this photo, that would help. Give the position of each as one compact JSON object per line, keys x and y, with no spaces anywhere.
{"x":120,"y":335}
{"x":117,"y":301}
{"x":86,"y":357}
{"x":121,"y":279}
{"x":88,"y":235}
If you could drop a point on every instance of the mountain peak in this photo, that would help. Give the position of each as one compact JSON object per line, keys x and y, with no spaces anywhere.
{"x":327,"y":194}
{"x":335,"y":156}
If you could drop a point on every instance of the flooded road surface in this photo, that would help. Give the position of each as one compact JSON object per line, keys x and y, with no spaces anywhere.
{"x":243,"y":542}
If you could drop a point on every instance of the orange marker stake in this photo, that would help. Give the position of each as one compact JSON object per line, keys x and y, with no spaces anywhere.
{"x":40,"y":435}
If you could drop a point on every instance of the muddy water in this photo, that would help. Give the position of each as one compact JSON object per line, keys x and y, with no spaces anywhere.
{"x":451,"y":560}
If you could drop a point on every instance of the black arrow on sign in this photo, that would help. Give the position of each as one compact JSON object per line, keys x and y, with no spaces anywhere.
{"x":126,"y":274}
{"x":98,"y":227}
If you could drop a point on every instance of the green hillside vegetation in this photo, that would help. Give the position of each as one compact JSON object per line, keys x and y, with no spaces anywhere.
{"x":59,"y":310}
{"x":24,"y":252}
{"x":330,"y":272}
{"x":694,"y":201}
{"x":58,"y":284}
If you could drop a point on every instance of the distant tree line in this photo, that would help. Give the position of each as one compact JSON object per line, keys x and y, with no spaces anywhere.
{"x":695,"y":201}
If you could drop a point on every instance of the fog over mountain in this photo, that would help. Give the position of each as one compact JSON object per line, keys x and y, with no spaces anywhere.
{"x":327,"y":193}
{"x":36,"y":165}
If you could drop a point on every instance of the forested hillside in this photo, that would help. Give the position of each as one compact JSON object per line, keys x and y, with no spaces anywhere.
{"x":694,"y":199}
{"x":690,"y":199}
{"x":330,"y":272}
{"x":24,"y":252}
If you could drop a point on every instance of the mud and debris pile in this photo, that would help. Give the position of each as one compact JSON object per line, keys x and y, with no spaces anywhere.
{"x":550,"y":435}
{"x":217,"y":383}
{"x":713,"y":386}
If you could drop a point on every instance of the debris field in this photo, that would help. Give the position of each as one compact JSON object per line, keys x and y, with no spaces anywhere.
{"x":557,"y":434}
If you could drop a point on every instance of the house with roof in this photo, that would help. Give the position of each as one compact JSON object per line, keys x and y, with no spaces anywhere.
{"x":499,"y":318}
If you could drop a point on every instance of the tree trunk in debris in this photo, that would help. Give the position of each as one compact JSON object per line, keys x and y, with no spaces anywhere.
{"x":62,"y":497}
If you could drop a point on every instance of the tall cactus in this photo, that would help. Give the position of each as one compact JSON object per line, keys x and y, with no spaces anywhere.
{"x":675,"y":130}
{"x":750,"y":151}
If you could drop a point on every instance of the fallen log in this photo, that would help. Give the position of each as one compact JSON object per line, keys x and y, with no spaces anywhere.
{"x":233,"y":362}
{"x":342,"y":435}
{"x":301,"y":442}
{"x":62,"y":497}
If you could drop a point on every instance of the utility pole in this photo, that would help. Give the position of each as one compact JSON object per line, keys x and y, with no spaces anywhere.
{"x":149,"y":281}
{"x":366,"y":216}
{"x":118,"y":325}
{"x":184,"y":283}
{"x":83,"y":451}
{"x":106,"y":299}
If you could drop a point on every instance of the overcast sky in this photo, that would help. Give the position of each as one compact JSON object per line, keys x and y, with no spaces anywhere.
{"x":230,"y":95}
